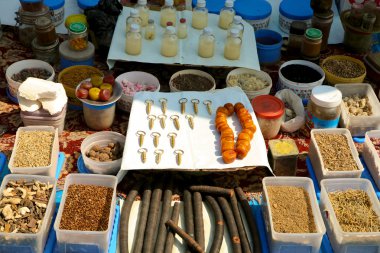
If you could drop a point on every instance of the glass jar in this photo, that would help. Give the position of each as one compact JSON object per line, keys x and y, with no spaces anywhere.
{"x":134,"y":18}
{"x":143,"y":12}
{"x":169,"y":44}
{"x":226,"y":15}
{"x":323,"y":22}
{"x":182,"y":29}
{"x":236,"y":24}
{"x":31,"y":5}
{"x":206,"y":44}
{"x":200,"y":15}
{"x":45,"y":31}
{"x":368,"y":22}
{"x":168,"y":13}
{"x":150,"y":30}
{"x":323,"y":109}
{"x":283,"y":156}
{"x":321,"y":6}
{"x":296,"y":34}
{"x":232,"y":46}
{"x":78,"y":37}
{"x":311,"y":44}
{"x":133,"y":42}
{"x":48,"y":53}
{"x":356,"y":15}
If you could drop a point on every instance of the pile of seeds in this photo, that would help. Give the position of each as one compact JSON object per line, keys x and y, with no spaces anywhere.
{"x":335,"y":151}
{"x":32,"y":72}
{"x":191,"y":82}
{"x":358,"y":106}
{"x":344,"y":68}
{"x":23,"y":206}
{"x":111,"y":152}
{"x":353,"y":209}
{"x":33,"y":149}
{"x":87,"y":208}
{"x":376,"y":143}
{"x":291,"y":209}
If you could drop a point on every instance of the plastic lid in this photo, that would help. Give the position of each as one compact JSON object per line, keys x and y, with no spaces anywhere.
{"x":169,"y":2}
{"x":77,"y":27}
{"x":268,"y":107}
{"x":326,"y":96}
{"x":201,"y":3}
{"x":170,"y":29}
{"x":134,"y":13}
{"x":296,"y":9}
{"x":182,"y":20}
{"x":142,"y":2}
{"x":324,"y":15}
{"x":207,"y":30}
{"x":169,"y":24}
{"x":42,"y":22}
{"x":54,"y":4}
{"x":237,"y":19}
{"x":253,"y":10}
{"x":235,"y":32}
{"x":213,"y":6}
{"x":35,"y":45}
{"x":229,"y":3}
{"x":76,"y":56}
{"x":313,"y":33}
{"x":135,"y":28}
{"x":298,"y":28}
{"x":85,"y":4}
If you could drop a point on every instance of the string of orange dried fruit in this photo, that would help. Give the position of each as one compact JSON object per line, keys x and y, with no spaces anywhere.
{"x":230,"y":151}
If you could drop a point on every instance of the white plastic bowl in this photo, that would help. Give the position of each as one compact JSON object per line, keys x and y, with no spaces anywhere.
{"x":259,"y":74}
{"x":25,"y":64}
{"x":101,"y":139}
{"x":173,"y":88}
{"x":125,"y":102}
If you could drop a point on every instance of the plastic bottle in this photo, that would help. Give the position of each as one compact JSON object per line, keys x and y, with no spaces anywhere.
{"x":169,"y":44}
{"x":143,"y":9}
{"x":206,"y":45}
{"x":236,"y":24}
{"x":200,"y":15}
{"x":182,"y":29}
{"x":226,"y":15}
{"x":133,"y":43}
{"x":168,"y":13}
{"x":232,"y":46}
{"x":150,"y":30}
{"x":134,"y":18}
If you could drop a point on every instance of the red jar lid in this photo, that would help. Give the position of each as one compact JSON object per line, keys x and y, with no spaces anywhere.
{"x":268,"y":107}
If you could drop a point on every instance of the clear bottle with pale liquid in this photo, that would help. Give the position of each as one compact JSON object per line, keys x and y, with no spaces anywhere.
{"x":237,"y":24}
{"x":169,"y":44}
{"x":226,"y":15}
{"x":200,"y":15}
{"x":133,"y":43}
{"x":232,"y":46}
{"x":182,"y":29}
{"x":143,"y":9}
{"x":206,"y":44}
{"x":134,"y":18}
{"x":150,"y":30}
{"x":168,"y":13}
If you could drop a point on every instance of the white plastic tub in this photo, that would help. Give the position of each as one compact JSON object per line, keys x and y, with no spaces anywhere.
{"x":98,"y":239}
{"x":33,"y":243}
{"x":317,"y":161}
{"x":287,"y":242}
{"x":359,"y":125}
{"x":47,"y":170}
{"x":345,"y":242}
{"x":371,"y":157}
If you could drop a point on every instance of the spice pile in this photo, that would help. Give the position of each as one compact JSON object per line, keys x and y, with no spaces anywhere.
{"x":344,"y":68}
{"x":130,"y":88}
{"x":358,"y":106}
{"x":87,"y":208}
{"x":191,"y":82}
{"x":335,"y":151}
{"x":32,"y":72}
{"x":247,"y":81}
{"x":111,"y":152}
{"x":376,"y":143}
{"x":76,"y":75}
{"x":353,"y":209}
{"x":23,"y":206}
{"x":291,"y":209}
{"x":33,"y":149}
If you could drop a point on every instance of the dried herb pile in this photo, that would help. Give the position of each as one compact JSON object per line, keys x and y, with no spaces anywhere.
{"x":354,"y":211}
{"x":344,"y":68}
{"x":335,"y":151}
{"x":291,"y":209}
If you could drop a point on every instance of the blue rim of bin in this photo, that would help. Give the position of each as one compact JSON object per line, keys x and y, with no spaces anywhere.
{"x":296,"y":9}
{"x":213,"y":6}
{"x":10,"y":97}
{"x":81,"y":167}
{"x":54,"y":4}
{"x":253,"y":10}
{"x":85,"y":4}
{"x":30,"y":1}
{"x":268,"y":53}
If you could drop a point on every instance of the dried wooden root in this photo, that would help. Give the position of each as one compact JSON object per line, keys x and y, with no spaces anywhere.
{"x":170,"y":235}
{"x":219,"y":225}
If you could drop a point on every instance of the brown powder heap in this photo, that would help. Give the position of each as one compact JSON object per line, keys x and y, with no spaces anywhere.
{"x":291,"y":209}
{"x":87,"y":208}
{"x":335,"y":151}
{"x":353,"y":209}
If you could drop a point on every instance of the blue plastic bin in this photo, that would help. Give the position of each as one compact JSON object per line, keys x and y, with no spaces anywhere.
{"x":268,"y":43}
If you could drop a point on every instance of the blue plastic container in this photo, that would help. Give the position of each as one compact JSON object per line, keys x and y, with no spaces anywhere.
{"x":57,"y":10}
{"x":255,"y":12}
{"x":294,"y":10}
{"x":268,"y":43}
{"x":85,"y":4}
{"x":213,"y":6}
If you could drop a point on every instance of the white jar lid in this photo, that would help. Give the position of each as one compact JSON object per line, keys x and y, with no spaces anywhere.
{"x":229,"y":3}
{"x":326,"y":96}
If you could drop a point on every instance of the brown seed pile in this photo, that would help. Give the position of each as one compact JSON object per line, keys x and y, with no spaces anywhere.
{"x":87,"y":208}
{"x":23,"y":206}
{"x":33,"y":149}
{"x":335,"y":151}
{"x":291,"y":209}
{"x":32,"y":72}
{"x":353,"y":209}
{"x":344,"y":68}
{"x":191,"y":82}
{"x":111,"y":152}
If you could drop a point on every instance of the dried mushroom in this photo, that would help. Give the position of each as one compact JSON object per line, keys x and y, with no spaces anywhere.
{"x":111,"y":152}
{"x":358,"y":106}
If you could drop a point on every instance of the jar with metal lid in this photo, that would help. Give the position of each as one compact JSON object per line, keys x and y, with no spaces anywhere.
{"x":311,"y":44}
{"x":78,"y":37}
{"x":323,"y":22}
{"x":296,"y":34}
{"x":321,"y":5}
{"x":323,"y":109}
{"x":31,"y":5}
{"x":46,"y":53}
{"x":45,"y":31}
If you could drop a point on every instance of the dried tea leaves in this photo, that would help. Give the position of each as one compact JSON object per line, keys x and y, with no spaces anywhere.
{"x":87,"y":208}
{"x":291,"y":209}
{"x":335,"y":151}
{"x":23,"y":206}
{"x":353,"y":209}
{"x":34,"y":149}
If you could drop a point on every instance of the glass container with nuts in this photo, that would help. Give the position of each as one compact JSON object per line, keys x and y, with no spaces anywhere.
{"x":78,"y":37}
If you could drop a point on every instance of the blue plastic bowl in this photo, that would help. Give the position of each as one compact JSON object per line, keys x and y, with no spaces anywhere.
{"x":268,"y":43}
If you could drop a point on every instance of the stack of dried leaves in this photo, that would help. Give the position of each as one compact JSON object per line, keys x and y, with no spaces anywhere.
{"x":353,"y":209}
{"x":335,"y":151}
